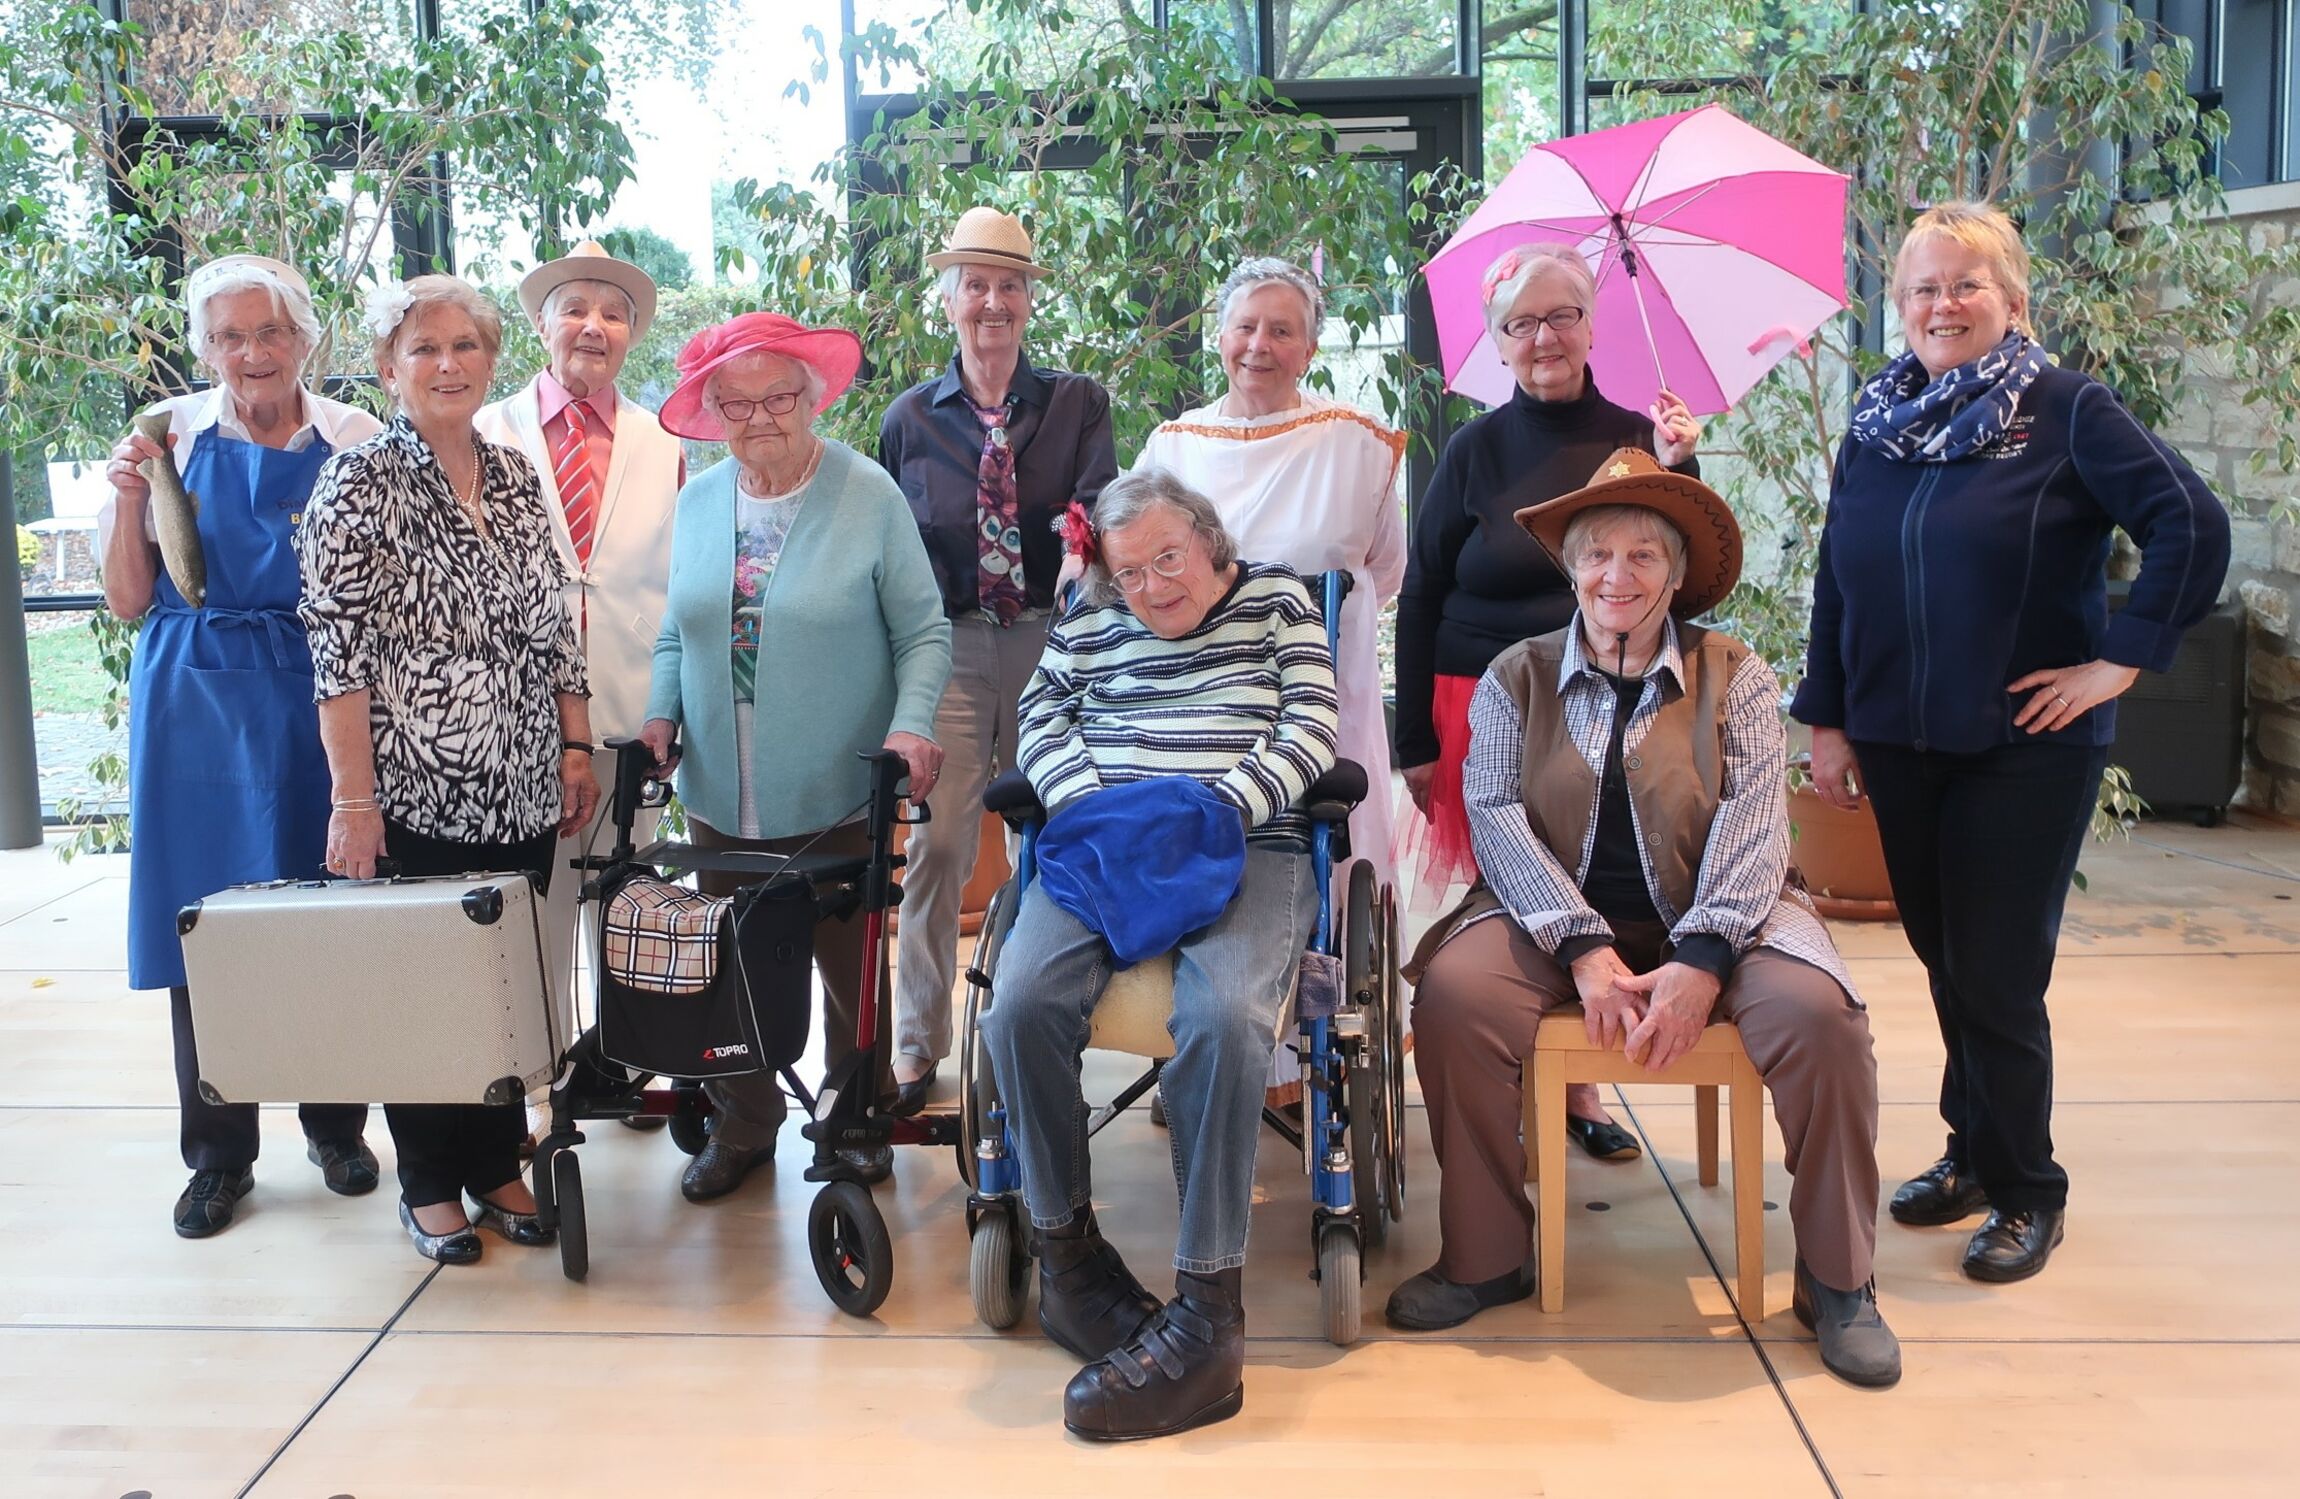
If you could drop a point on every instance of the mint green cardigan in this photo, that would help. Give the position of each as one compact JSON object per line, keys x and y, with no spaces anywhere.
{"x":853,"y":646}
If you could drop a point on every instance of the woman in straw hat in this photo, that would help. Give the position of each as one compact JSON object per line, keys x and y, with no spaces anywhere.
{"x":802,"y":629}
{"x":990,"y":454}
{"x":1645,"y":873}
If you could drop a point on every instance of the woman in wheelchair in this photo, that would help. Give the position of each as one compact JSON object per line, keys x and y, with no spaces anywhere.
{"x":1625,"y":784}
{"x":1174,"y":721}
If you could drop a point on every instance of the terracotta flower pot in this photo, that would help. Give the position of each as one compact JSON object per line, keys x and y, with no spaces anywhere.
{"x":1841,"y":859}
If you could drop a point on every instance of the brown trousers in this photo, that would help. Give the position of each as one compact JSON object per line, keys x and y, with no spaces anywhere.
{"x":751,"y":1106}
{"x":1475,"y":1013}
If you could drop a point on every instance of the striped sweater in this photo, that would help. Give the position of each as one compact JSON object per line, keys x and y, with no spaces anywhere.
{"x":1244,"y":703}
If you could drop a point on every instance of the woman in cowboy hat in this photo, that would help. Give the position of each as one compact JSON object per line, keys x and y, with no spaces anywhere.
{"x":990,"y":454}
{"x":205,"y":814}
{"x":802,"y":628}
{"x":1644,"y":872}
{"x":610,"y":476}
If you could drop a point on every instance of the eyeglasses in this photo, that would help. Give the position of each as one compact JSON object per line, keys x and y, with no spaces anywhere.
{"x":233,"y":341}
{"x":1562,"y":320}
{"x":1926,"y":293}
{"x":1167,"y":564}
{"x":781,"y":403}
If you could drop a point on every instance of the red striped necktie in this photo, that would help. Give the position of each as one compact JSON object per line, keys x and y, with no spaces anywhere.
{"x":578,"y":486}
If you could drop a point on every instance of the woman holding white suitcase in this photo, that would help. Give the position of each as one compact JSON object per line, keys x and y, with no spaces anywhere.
{"x":452,"y":696}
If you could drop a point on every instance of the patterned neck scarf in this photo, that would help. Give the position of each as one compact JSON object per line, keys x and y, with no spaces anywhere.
{"x":998,"y":517}
{"x":1911,"y":417}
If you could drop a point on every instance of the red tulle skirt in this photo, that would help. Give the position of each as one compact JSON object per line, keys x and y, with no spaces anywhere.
{"x":1434,"y":851}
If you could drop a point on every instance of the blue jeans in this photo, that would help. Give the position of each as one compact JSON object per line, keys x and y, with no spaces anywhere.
{"x":1231,"y":980}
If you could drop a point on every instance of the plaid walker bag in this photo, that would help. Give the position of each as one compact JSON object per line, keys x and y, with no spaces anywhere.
{"x":701,"y":986}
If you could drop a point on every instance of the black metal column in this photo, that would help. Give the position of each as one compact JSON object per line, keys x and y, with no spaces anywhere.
{"x":19,"y":752}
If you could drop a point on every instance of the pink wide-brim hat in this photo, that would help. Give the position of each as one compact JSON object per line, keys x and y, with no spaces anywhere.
{"x":833,"y":353}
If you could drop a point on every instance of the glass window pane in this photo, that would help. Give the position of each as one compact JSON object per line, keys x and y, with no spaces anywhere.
{"x":1519,"y":81}
{"x":1027,"y":40}
{"x":200,"y":55}
{"x":2249,"y":74}
{"x":1365,"y":38}
{"x":1231,"y":20}
{"x":1629,"y":39}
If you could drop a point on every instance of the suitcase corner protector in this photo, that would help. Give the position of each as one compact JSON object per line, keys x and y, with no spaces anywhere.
{"x":209,"y":1095}
{"x":504,"y":1090}
{"x":187,"y":918}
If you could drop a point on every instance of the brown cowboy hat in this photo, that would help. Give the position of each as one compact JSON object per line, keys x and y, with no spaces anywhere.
{"x":984,"y":236}
{"x":1633,"y":476}
{"x":591,"y":261}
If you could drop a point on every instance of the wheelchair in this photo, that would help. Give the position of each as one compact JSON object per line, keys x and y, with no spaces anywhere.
{"x":1349,"y":1037}
{"x":739,"y":1001}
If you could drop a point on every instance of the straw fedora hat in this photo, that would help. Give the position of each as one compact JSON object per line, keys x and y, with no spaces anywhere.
{"x":590,"y":261}
{"x":984,"y":236}
{"x":1633,"y":476}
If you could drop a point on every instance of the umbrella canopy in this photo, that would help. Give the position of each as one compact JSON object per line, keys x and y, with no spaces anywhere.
{"x":1736,"y":242}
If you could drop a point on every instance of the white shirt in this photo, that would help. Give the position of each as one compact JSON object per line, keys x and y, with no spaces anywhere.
{"x":190,"y":416}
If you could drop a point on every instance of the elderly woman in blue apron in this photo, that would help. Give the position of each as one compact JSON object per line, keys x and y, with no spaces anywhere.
{"x":226,"y":781}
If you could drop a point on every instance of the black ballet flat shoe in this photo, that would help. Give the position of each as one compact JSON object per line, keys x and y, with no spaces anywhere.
{"x":458,"y":1247}
{"x":519,"y":1228}
{"x":909,"y":1098}
{"x":1602,"y":1138}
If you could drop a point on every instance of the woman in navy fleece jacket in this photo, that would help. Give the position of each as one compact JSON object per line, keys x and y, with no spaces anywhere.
{"x":1964,"y":671}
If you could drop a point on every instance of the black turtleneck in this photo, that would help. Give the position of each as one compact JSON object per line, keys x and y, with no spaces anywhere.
{"x":1476,"y":582}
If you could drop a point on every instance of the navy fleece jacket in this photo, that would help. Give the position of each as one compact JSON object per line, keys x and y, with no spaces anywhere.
{"x":1941,"y":584}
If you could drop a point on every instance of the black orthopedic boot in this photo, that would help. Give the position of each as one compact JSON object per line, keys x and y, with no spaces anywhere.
{"x":1088,"y":1301}
{"x":1186,"y":1368}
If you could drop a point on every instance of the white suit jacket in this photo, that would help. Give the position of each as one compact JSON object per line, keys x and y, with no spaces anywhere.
{"x":619,"y":604}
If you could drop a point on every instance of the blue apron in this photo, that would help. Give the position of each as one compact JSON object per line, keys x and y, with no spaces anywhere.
{"x":226,"y":780}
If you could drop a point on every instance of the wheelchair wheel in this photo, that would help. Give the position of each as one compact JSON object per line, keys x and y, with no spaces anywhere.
{"x":1389,"y":1023}
{"x":1341,"y":1283}
{"x":997,"y":1271}
{"x":574,"y":1228}
{"x":976,"y":1091}
{"x":1367,"y":1091}
{"x":848,"y":1242}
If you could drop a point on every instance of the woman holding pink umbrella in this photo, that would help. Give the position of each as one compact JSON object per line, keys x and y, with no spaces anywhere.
{"x":1477,"y":584}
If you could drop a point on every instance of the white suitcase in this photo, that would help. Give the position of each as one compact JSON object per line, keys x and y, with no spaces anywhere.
{"x":418,"y":990}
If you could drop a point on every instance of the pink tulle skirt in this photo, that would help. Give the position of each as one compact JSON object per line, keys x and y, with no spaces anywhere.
{"x":1434,"y":851}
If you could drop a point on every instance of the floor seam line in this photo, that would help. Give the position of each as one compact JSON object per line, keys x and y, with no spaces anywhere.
{"x":51,"y":900}
{"x":340,"y":1381}
{"x":1748,"y":1333}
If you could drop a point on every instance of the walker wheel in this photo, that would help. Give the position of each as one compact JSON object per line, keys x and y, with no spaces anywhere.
{"x":997,"y":1271}
{"x":691,"y":1128}
{"x":1341,"y":1285}
{"x":853,"y":1256}
{"x":574,"y":1231}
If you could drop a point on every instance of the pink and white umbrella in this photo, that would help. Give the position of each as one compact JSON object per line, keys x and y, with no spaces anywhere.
{"x":1716,"y":250}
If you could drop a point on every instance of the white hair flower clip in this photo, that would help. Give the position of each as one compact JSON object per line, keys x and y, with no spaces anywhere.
{"x":387,"y":302}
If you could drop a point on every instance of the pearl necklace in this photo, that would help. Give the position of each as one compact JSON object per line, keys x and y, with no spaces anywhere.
{"x":469,"y":499}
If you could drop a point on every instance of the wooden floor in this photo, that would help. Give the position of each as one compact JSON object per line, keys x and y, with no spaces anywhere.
{"x":308,"y":1352}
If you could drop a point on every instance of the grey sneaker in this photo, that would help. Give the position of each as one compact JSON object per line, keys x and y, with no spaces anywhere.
{"x":1856,"y":1345}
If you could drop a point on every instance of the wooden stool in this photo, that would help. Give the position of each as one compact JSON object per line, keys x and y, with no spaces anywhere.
{"x":1562,"y":1054}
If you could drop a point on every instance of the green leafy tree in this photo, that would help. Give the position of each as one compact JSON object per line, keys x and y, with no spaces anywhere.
{"x":315,"y":143}
{"x":653,"y":253}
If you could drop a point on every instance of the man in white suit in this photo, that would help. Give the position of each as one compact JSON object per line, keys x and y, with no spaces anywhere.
{"x":612,"y":476}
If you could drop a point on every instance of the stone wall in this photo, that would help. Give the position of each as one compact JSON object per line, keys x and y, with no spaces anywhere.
{"x":2220,"y":435}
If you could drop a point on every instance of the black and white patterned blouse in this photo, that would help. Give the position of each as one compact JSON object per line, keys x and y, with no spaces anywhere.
{"x":463,"y":640}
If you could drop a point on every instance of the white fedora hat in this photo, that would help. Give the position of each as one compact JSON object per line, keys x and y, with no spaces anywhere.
{"x":589,"y":261}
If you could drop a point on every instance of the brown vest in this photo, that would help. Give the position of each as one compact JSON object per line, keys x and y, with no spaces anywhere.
{"x":1676,"y":773}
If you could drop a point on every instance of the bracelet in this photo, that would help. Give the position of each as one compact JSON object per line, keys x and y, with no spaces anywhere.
{"x":357,"y":804}
{"x":577,"y":744}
